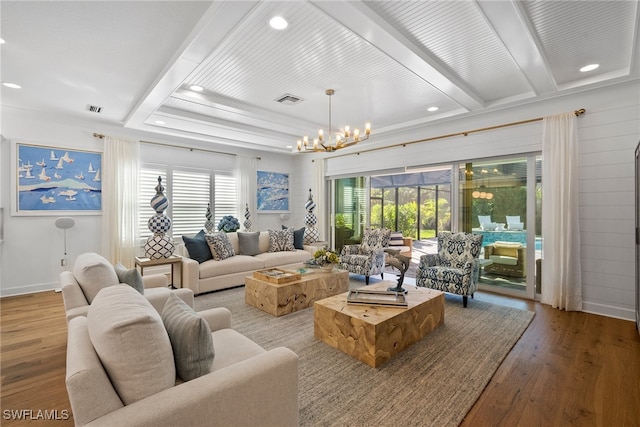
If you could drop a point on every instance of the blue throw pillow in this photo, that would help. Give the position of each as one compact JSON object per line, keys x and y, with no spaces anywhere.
{"x":198,"y":247}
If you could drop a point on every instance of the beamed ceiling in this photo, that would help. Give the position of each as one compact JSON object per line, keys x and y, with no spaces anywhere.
{"x":388,"y":61}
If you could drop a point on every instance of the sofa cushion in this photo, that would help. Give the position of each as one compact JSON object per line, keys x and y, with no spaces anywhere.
{"x":277,"y":259}
{"x":190,"y":338}
{"x":93,"y":272}
{"x":198,"y":247}
{"x":396,"y":239}
{"x":235,"y":264}
{"x":131,"y":277}
{"x":249,"y":243}
{"x":131,"y":342}
{"x":232,"y":347}
{"x":504,"y":260}
{"x":281,"y":240}
{"x":220,"y":246}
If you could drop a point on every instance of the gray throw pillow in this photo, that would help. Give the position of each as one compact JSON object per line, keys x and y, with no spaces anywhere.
{"x":190,"y":338}
{"x":131,"y":277}
{"x":249,"y":243}
{"x":220,"y":246}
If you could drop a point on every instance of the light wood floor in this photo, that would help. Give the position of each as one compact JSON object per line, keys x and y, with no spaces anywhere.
{"x":568,"y":369}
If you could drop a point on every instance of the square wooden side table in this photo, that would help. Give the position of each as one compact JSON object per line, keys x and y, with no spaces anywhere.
{"x":173,"y":260}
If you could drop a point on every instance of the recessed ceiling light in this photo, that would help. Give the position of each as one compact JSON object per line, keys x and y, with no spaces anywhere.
{"x":12,"y":85}
{"x":196,"y":88}
{"x":289,"y":146}
{"x":159,"y":122}
{"x":589,"y":67}
{"x":432,"y":109}
{"x":1,"y":41}
{"x":278,"y":23}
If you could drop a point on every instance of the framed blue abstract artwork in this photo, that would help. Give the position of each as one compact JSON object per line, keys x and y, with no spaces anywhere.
{"x":273,"y":192}
{"x":51,"y":180}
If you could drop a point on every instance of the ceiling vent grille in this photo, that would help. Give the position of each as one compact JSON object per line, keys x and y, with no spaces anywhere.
{"x":94,"y":108}
{"x":288,"y":99}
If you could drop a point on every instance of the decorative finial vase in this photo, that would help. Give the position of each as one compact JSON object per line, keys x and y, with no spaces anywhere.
{"x":159,"y":245}
{"x":208,"y":224}
{"x":247,"y":221}
{"x":311,"y":233}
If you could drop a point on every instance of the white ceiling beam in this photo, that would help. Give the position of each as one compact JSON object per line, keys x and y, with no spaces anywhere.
{"x":361,"y":20}
{"x":219,"y":20}
{"x":510,"y":24}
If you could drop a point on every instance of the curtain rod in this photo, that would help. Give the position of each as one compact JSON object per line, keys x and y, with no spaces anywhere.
{"x":101,"y":136}
{"x":578,"y":113}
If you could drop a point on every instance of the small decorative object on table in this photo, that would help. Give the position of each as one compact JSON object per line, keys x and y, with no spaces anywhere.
{"x":323,"y":258}
{"x":400,"y":262}
{"x":311,"y":233}
{"x":228,"y":224}
{"x":376,"y":297}
{"x":247,"y":220}
{"x":208,"y":224}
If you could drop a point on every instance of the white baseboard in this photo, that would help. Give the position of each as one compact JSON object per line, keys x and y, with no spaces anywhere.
{"x":609,"y":311}
{"x":28,"y":289}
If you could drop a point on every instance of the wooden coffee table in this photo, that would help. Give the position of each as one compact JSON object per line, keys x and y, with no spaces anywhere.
{"x":279,"y":299}
{"x":374,"y":334}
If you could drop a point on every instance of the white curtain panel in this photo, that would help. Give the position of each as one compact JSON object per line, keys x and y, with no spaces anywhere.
{"x":319,"y":190}
{"x":120,"y":234}
{"x":561,"y":277}
{"x":246,"y":181}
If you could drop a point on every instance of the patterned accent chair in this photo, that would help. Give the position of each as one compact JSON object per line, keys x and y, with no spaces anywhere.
{"x":454,"y":269}
{"x":368,"y":257}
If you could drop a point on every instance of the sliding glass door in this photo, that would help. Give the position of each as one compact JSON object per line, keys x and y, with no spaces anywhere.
{"x":500,"y":199}
{"x":349,"y":211}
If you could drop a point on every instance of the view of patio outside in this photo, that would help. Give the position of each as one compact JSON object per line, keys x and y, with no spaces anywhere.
{"x":419,"y":204}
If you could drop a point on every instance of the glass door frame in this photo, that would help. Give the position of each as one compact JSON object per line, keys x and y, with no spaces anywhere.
{"x":530,"y":290}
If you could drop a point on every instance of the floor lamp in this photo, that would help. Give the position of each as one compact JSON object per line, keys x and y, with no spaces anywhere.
{"x":64,"y":223}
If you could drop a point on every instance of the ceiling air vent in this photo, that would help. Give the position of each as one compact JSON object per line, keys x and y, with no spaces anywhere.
{"x":94,"y":108}
{"x":288,"y":99}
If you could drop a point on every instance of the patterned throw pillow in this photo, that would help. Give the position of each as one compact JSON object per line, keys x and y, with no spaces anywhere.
{"x":281,"y":240}
{"x":396,"y":239}
{"x":220,"y":246}
{"x":370,"y":239}
{"x":385,"y":236}
{"x":190,"y":337}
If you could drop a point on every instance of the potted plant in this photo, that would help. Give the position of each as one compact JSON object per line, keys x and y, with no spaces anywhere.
{"x":228,"y":224}
{"x":326,"y":258}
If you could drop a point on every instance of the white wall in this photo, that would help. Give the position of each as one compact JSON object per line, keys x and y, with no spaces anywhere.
{"x":608,"y":134}
{"x":32,"y":248}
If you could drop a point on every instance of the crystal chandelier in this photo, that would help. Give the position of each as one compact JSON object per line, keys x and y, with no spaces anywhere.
{"x":342,"y":139}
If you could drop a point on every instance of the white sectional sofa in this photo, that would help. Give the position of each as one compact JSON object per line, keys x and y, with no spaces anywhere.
{"x":212,"y":275}
{"x":122,"y":368}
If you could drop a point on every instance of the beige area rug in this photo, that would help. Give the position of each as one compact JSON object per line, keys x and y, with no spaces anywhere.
{"x":434,"y":382}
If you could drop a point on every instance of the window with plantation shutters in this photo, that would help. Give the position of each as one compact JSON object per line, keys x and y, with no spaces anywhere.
{"x":189,"y":192}
{"x":190,"y":195}
{"x":224,"y":197}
